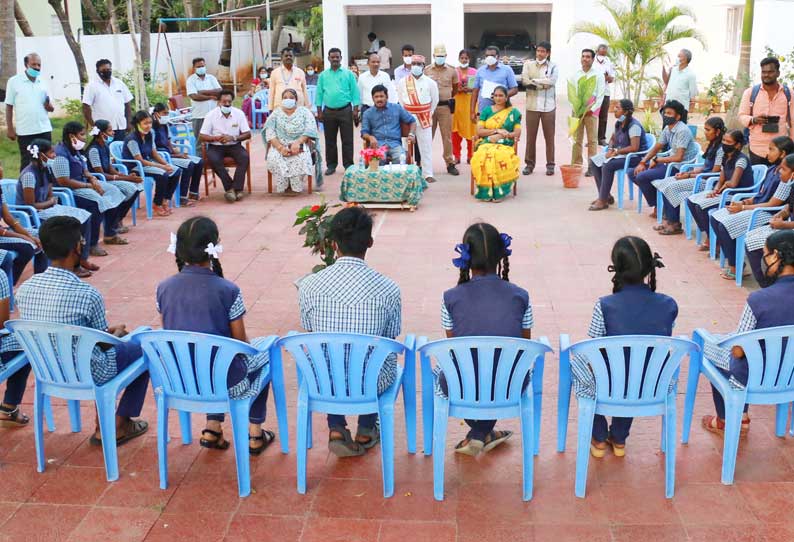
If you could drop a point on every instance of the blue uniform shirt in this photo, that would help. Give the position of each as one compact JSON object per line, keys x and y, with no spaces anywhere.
{"x":384,"y":124}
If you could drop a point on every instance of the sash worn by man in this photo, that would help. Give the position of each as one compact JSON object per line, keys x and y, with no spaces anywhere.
{"x":418,"y":94}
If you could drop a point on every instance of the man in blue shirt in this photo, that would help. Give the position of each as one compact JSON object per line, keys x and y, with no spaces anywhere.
{"x":381,"y":124}
{"x":490,"y":76}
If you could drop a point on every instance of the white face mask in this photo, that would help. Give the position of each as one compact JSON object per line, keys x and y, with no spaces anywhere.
{"x":407,"y":60}
{"x":464,"y":64}
{"x":309,"y":72}
{"x":288,"y":103}
{"x":441,"y":60}
{"x":77,"y":144}
{"x":417,"y":71}
{"x":601,"y":58}
{"x":490,"y":60}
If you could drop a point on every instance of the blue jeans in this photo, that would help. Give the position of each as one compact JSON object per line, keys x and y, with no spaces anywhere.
{"x":618,"y":431}
{"x":16,"y":383}
{"x":238,"y":370}
{"x":134,"y":395}
{"x":366,"y":421}
{"x":644,"y":179}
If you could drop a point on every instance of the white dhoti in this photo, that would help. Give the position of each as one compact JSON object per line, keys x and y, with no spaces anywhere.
{"x":424,"y":140}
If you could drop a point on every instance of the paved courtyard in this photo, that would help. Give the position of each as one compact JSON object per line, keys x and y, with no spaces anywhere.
{"x":561,"y":253}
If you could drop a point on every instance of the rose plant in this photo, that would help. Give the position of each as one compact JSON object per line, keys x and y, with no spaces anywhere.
{"x":315,"y":221}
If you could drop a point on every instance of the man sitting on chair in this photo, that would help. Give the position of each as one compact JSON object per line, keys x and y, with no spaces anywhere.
{"x":382,"y":124}
{"x":223,"y":129}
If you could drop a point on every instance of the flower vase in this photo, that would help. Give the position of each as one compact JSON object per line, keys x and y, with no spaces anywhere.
{"x":373,"y":164}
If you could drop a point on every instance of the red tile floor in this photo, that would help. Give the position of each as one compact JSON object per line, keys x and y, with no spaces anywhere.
{"x":561,"y":253}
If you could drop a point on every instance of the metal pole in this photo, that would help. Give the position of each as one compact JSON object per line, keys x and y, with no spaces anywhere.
{"x":269,"y":38}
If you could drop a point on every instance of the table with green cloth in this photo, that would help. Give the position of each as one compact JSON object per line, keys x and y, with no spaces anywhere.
{"x":387,"y":184}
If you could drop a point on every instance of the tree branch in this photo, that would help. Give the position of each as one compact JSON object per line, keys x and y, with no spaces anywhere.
{"x":96,"y":19}
{"x":73,"y":45}
{"x":113,"y":19}
{"x":22,"y":21}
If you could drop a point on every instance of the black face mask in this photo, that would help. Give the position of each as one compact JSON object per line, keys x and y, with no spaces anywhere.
{"x":766,"y":279}
{"x":728,"y":149}
{"x":105,"y":74}
{"x":668,"y":121}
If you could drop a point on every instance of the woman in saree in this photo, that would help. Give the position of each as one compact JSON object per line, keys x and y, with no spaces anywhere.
{"x":462,"y":126}
{"x":288,"y":131}
{"x":495,"y":163}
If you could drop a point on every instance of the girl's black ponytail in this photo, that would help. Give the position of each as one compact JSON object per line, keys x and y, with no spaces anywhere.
{"x":215,"y":263}
{"x":632,"y":261}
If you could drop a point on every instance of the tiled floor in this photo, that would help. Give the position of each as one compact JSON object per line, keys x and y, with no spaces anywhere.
{"x":561,"y":253}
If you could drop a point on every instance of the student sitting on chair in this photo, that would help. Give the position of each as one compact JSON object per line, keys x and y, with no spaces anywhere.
{"x":768,"y":307}
{"x":223,"y":129}
{"x":100,"y":162}
{"x":10,"y":415}
{"x":634,"y":308}
{"x":192,"y":166}
{"x":200,"y":300}
{"x":139,"y":145}
{"x":484,"y":303}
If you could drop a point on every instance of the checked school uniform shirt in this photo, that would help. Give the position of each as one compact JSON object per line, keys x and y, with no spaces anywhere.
{"x":59,"y":296}
{"x":351,"y":297}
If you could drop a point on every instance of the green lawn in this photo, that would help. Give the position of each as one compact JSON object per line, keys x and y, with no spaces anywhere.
{"x":9,"y":151}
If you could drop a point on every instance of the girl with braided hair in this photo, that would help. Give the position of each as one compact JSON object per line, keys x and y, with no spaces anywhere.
{"x":768,"y":307}
{"x":484,"y":303}
{"x":200,"y":300}
{"x":634,"y":308}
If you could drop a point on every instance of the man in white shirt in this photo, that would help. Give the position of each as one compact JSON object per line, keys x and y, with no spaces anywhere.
{"x":680,"y":82}
{"x":369,"y":79}
{"x":374,"y":44}
{"x":27,"y":104}
{"x":204,"y":90}
{"x":108,"y":98}
{"x":418,"y":94}
{"x":384,"y":53}
{"x":604,"y":64}
{"x":223,"y":129}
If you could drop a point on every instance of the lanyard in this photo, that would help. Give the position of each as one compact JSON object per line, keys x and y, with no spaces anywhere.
{"x":286,"y":81}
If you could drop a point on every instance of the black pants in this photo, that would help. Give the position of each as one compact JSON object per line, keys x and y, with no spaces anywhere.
{"x":754,"y":258}
{"x":134,"y":394}
{"x":24,"y":253}
{"x":16,"y":383}
{"x":216,"y":154}
{"x":756,"y":160}
{"x":618,"y":431}
{"x":724,"y":241}
{"x":114,"y":216}
{"x":700,"y":215}
{"x":605,"y":175}
{"x":95,"y":222}
{"x":739,"y":371}
{"x":238,"y":371}
{"x":23,"y":142}
{"x":341,"y":121}
{"x":191,"y":178}
{"x":603,"y":119}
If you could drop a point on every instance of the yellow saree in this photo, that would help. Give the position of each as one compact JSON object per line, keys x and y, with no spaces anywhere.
{"x":495,"y":165}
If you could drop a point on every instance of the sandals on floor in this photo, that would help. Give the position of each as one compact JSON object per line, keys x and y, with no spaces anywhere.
{"x":496,"y":438}
{"x":597,"y":451}
{"x":345,"y":446}
{"x":618,"y":449}
{"x":267,"y":437}
{"x":115,"y":240}
{"x":717,"y":426}
{"x":14,"y":418}
{"x":668,"y":230}
{"x":132,"y":429}
{"x":218,"y":443}
{"x":372,"y":433}
{"x":469,"y":446}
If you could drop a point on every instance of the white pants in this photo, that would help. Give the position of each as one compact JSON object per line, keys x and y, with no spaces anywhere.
{"x":424,"y":139}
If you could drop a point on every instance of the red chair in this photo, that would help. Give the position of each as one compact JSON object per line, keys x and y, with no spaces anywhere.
{"x":228,"y":162}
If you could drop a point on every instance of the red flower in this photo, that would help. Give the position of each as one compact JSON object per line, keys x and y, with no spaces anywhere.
{"x":315,"y":208}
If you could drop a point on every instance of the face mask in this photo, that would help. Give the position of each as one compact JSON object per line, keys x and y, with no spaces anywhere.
{"x":289,"y":103}
{"x":728,"y":149}
{"x":767,"y":280}
{"x":464,"y":65}
{"x":668,"y":121}
{"x":201,"y":71}
{"x":441,"y":60}
{"x":407,"y":60}
{"x":105,"y":74}
{"x":490,"y":60}
{"x":144,"y":131}
{"x":309,"y":72}
{"x":417,"y":71}
{"x":622,"y":118}
{"x":77,"y":144}
{"x":601,"y":58}
{"x":263,"y":75}
{"x":33,"y":73}
{"x":109,"y":139}
{"x":226,"y":109}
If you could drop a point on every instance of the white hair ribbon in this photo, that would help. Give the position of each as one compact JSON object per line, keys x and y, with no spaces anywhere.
{"x":172,"y":245}
{"x":33,"y":150}
{"x":94,"y":131}
{"x":214,"y":250}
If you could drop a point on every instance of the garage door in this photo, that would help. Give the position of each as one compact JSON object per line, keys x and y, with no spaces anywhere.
{"x":387,"y":9}
{"x":506,"y":8}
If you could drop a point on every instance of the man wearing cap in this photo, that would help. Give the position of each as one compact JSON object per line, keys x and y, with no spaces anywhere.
{"x":418,"y":94}
{"x":446,"y":78}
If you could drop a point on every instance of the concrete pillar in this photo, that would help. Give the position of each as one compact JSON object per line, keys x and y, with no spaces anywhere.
{"x":446,"y":27}
{"x":334,"y":29}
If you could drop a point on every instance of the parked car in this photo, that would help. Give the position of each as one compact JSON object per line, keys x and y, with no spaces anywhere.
{"x":515,"y":47}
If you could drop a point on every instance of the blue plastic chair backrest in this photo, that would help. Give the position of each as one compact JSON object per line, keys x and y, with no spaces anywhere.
{"x":693,"y":129}
{"x":264,"y":100}
{"x":116,"y":149}
{"x":650,"y":141}
{"x":190,"y":365}
{"x":759,"y":172}
{"x":770,"y":357}
{"x":9,"y":187}
{"x":58,"y":353}
{"x":502,"y":365}
{"x":629,"y":369}
{"x":322,"y":359}
{"x":311,"y":92}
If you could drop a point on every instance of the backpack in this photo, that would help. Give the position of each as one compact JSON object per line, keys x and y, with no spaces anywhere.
{"x":754,"y":95}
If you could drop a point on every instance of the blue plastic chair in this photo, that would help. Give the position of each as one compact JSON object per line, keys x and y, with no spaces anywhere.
{"x":11,"y":367}
{"x":182,"y":133}
{"x":660,"y":197}
{"x":116,"y":149}
{"x":734,"y":194}
{"x":633,"y":374}
{"x":60,"y":356}
{"x":770,"y":357}
{"x":741,"y":241}
{"x":495,"y":391}
{"x":622,"y":174}
{"x":338,"y":374}
{"x":258,"y":113}
{"x":704,"y":181}
{"x":189,"y":372}
{"x":697,"y":161}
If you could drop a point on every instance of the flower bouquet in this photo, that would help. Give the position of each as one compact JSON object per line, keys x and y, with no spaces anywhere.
{"x":373,"y":156}
{"x":581,"y":96}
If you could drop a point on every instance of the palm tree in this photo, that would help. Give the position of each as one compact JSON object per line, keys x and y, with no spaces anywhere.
{"x":8,"y":38}
{"x":638,"y":35}
{"x":743,"y":70}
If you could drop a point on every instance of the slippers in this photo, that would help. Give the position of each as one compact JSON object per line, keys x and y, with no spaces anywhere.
{"x":598,"y":449}
{"x":472,"y":447}
{"x":372,"y":433}
{"x":133,"y":429}
{"x":717,"y":426}
{"x":345,"y":446}
{"x":496,"y":438}
{"x":218,"y":443}
{"x":13,"y":417}
{"x":671,"y":231}
{"x":267,"y":438}
{"x":618,"y":449}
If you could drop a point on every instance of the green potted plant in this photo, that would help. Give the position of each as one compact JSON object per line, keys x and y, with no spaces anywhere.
{"x":315,"y":221}
{"x":719,"y":89}
{"x":581,"y":96}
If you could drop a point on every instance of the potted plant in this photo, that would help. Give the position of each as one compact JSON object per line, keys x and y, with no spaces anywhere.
{"x":719,"y":88}
{"x":315,"y":222}
{"x":581,"y":96}
{"x":654,"y":94}
{"x":372,"y":156}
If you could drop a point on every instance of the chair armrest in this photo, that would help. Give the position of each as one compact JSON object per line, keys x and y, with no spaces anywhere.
{"x":739,"y":197}
{"x":100,"y":176}
{"x":24,"y":214}
{"x":410,"y":342}
{"x":166,"y":155}
{"x":687,"y":167}
{"x":182,"y":147}
{"x":757,"y":213}
{"x":545,"y":340}
{"x":731,"y":191}
{"x":136,"y":164}
{"x":679,"y":165}
{"x":132,"y":334}
{"x":705,"y":178}
{"x":64,"y":195}
{"x":121,"y":168}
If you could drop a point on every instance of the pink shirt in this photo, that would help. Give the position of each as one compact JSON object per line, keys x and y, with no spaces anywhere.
{"x":759,"y":140}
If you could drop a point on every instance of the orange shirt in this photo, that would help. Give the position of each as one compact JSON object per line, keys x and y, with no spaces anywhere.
{"x":759,"y":140}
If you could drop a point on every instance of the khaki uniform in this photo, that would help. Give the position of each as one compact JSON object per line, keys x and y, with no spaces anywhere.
{"x":446,"y":78}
